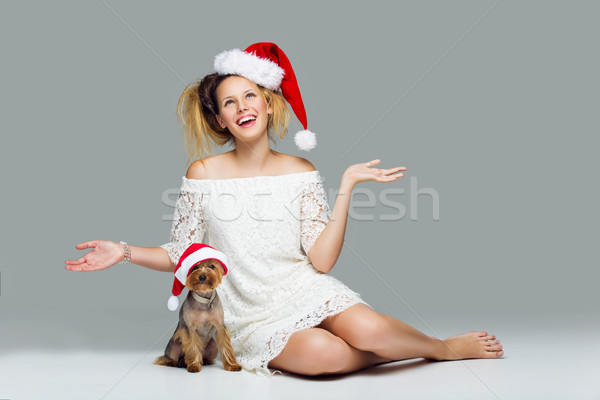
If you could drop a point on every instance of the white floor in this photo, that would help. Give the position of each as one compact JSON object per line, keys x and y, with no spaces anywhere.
{"x":545,"y":359}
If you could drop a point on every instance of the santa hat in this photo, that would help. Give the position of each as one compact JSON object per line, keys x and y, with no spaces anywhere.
{"x":267,"y":65}
{"x":194,"y":254}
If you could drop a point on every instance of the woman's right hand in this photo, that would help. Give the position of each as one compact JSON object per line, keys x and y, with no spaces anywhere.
{"x":105,"y":253}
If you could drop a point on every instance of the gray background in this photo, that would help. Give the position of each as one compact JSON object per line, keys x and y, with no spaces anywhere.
{"x":492,"y":105}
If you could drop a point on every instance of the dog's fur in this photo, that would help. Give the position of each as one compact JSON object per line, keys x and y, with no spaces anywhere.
{"x":192,"y":344}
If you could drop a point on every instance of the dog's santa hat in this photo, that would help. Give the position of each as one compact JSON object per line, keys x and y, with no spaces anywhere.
{"x":194,"y":254}
{"x":267,"y":65}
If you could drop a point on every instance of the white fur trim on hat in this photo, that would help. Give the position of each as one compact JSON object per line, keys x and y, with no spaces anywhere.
{"x":259,"y":70}
{"x":199,"y":255}
{"x":305,"y":140}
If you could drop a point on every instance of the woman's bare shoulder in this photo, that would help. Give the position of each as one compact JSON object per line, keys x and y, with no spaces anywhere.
{"x":297,"y":164}
{"x":206,"y":168}
{"x":220,"y":166}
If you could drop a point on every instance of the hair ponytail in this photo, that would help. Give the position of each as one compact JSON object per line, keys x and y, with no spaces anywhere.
{"x":198,"y":115}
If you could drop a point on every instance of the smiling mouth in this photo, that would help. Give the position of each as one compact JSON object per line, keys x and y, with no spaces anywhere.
{"x":246,"y":121}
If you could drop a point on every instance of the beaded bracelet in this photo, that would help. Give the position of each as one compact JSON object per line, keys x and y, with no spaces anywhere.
{"x":127,"y":252}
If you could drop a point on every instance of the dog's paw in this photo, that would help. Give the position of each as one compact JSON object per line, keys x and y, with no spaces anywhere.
{"x":194,"y":368}
{"x":233,"y":367}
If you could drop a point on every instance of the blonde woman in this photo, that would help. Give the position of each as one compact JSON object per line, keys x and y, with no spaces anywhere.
{"x":268,"y":212}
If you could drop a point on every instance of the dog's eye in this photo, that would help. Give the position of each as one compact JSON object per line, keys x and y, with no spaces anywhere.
{"x":194,"y":268}
{"x":211,"y":266}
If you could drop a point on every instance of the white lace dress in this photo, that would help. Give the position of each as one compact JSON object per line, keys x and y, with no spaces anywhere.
{"x":265,"y":225}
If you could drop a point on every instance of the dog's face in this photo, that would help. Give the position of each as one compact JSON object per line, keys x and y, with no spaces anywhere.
{"x":205,"y":276}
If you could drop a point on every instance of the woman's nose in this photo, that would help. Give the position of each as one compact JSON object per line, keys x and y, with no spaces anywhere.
{"x":242,"y":106}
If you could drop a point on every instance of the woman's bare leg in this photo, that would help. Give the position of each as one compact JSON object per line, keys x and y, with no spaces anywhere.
{"x":360,"y":337}
{"x":315,"y":351}
{"x":366,"y":329}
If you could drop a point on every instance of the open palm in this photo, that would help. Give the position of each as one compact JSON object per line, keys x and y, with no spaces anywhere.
{"x":105,"y":253}
{"x":364,"y":172}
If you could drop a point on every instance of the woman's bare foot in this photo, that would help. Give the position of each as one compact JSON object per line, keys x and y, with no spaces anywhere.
{"x":472,"y":345}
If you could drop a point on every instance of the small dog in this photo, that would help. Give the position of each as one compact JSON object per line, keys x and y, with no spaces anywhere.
{"x":201,"y":316}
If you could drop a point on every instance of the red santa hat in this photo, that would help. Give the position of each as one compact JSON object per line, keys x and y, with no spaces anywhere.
{"x":194,"y":254}
{"x":267,"y":65}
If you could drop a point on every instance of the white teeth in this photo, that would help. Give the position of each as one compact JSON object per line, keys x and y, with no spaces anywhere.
{"x":246,"y":119}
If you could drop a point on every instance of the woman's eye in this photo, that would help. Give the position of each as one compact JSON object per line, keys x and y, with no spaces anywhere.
{"x":250,"y":95}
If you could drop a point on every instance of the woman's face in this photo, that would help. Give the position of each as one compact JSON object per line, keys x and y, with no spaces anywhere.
{"x":242,"y":108}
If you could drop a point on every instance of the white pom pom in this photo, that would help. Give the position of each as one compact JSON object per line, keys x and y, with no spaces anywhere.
{"x":305,"y":140}
{"x":173,"y":303}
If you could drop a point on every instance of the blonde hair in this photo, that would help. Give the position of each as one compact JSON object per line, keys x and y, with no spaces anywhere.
{"x":197,"y":109}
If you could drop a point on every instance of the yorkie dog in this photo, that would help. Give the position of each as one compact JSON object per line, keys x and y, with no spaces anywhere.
{"x":201,"y":316}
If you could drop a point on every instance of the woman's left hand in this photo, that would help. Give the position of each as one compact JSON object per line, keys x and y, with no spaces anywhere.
{"x":364,"y":172}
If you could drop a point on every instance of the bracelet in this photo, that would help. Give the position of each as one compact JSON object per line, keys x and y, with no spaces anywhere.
{"x":127,"y":252}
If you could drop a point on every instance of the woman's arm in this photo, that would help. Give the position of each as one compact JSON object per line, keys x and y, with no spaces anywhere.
{"x":328,"y":246}
{"x":106,"y":253}
{"x":155,"y":258}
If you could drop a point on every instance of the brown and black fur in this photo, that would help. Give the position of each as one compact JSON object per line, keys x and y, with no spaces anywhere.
{"x":192,"y":344}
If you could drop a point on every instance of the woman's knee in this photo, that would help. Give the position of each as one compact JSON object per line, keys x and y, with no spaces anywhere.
{"x":368,"y":332}
{"x":314,"y":352}
{"x":331,"y":354}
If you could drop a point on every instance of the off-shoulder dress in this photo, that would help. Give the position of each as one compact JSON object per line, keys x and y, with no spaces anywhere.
{"x":266,"y":226}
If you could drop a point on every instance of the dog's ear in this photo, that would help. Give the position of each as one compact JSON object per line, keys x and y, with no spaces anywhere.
{"x":220,"y":267}
{"x":188,"y":281}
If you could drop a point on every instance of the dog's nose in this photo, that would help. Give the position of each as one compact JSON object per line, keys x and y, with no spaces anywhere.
{"x":202,"y":278}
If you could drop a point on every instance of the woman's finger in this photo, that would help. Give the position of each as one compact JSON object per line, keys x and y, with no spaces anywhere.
{"x":86,"y":245}
{"x":388,"y":178}
{"x":392,"y":170}
{"x":74,"y":267}
{"x":373,"y":162}
{"x":397,"y":175}
{"x":75,"y":262}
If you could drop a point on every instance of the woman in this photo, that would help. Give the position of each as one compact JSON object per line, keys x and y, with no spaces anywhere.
{"x":268,"y":212}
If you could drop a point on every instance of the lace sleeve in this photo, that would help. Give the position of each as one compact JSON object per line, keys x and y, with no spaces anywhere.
{"x":314,"y":214}
{"x":188,"y":224}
